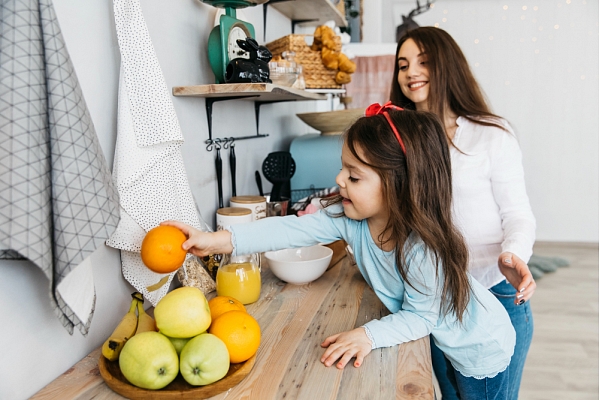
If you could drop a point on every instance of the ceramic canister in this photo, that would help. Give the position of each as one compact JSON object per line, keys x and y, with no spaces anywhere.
{"x":228,"y":216}
{"x":257,"y":204}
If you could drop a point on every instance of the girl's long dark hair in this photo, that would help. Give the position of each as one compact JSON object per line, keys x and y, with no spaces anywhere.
{"x":451,"y":81}
{"x":417,"y":188}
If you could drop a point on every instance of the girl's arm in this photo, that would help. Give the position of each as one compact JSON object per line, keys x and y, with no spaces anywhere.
{"x":277,"y":233}
{"x":267,"y":234}
{"x":421,"y":304}
{"x":203,"y":243}
{"x":416,"y":318}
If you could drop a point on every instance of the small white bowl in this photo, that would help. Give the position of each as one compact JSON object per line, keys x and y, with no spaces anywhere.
{"x":301,"y":265}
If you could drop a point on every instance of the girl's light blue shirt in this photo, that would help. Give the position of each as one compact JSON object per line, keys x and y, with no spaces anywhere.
{"x":479,"y":347}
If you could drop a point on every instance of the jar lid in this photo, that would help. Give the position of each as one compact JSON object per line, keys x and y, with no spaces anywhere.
{"x":248,"y":199}
{"x":234,"y":211}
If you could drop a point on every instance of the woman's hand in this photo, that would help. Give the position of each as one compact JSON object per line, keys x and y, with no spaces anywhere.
{"x":203,"y":243}
{"x":517,"y":273}
{"x":354,"y":343}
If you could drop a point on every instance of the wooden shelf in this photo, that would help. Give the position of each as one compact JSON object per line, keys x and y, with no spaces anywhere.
{"x":258,"y":92}
{"x":314,"y":12}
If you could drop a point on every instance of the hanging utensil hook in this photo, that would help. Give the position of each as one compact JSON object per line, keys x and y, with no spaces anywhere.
{"x":219,"y":168}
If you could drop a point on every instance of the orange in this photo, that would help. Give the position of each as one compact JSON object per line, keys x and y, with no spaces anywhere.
{"x":221,"y":304}
{"x":161,"y":249}
{"x":240,"y":332}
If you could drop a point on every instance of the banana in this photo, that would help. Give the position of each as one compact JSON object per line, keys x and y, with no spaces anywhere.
{"x":145,"y":322}
{"x":124,"y":330}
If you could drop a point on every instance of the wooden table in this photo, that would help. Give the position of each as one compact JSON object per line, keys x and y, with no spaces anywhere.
{"x":294,"y":321}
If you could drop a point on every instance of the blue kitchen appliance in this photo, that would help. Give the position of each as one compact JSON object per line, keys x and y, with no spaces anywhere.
{"x":318,"y":161}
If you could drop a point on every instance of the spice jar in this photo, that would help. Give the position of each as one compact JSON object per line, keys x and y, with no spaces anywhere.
{"x":256,"y":204}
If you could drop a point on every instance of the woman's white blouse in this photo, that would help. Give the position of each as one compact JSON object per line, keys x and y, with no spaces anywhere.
{"x":490,"y":203}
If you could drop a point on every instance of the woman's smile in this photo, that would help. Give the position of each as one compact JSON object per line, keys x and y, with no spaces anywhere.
{"x":413,"y":86}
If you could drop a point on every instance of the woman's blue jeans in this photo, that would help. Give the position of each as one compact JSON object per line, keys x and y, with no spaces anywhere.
{"x":522,"y":321}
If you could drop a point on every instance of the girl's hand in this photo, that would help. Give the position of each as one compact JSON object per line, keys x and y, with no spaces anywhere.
{"x":203,"y":243}
{"x":354,"y":343}
{"x":517,"y":273}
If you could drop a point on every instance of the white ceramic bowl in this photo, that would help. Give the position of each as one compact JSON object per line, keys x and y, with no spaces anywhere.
{"x":301,"y":265}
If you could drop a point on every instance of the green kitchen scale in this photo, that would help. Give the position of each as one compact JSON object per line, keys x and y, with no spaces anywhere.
{"x":222,"y":41}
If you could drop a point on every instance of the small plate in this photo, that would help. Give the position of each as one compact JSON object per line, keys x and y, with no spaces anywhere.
{"x":178,"y":389}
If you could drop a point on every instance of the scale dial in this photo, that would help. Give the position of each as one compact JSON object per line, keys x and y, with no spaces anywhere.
{"x":233,"y":50}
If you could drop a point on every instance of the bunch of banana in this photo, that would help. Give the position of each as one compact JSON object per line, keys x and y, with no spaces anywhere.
{"x":145,"y":322}
{"x":124,"y":330}
{"x":129,"y":325}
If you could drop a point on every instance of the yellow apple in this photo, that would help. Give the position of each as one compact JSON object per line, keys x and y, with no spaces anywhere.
{"x":182,"y":313}
{"x":178,"y":343}
{"x":204,"y":360}
{"x":149,"y":360}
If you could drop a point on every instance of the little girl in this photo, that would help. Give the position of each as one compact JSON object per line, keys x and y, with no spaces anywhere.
{"x":394,"y":210}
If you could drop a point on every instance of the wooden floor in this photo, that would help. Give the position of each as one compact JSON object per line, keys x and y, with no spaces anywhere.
{"x":562,"y":363}
{"x":563,"y":359}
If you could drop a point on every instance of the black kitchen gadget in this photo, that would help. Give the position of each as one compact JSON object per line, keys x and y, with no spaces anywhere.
{"x":278,"y":168}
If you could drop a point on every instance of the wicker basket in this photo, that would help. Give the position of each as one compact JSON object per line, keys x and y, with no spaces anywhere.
{"x":316,"y":75}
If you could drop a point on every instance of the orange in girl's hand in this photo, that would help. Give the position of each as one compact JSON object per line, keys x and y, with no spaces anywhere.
{"x":240,"y":332}
{"x":221,"y":304}
{"x":161,"y":249}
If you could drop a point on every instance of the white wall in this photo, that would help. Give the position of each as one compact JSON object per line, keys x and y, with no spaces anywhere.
{"x":538,"y":64}
{"x":554,"y":110}
{"x":36,"y":347}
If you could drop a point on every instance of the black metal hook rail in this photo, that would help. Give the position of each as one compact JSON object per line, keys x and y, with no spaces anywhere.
{"x":225,"y":142}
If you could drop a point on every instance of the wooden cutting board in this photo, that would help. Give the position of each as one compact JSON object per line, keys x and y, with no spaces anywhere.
{"x":178,"y":389}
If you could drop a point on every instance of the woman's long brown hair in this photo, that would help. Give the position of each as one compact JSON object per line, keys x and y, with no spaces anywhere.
{"x":417,"y":188}
{"x":451,"y":81}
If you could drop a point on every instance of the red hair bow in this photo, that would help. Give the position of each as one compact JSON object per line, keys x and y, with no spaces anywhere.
{"x":378,"y":109}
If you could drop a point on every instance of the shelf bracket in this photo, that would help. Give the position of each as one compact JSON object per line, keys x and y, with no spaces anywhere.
{"x":209,"y":107}
{"x":257,"y":105}
{"x":300,"y":21}
{"x":217,"y":143}
{"x":294,"y":21}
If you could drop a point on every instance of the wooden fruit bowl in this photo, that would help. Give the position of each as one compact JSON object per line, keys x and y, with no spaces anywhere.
{"x":178,"y":389}
{"x":332,"y":122}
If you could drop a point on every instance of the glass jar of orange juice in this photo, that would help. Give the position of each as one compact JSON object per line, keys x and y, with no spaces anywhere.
{"x":239,"y":277}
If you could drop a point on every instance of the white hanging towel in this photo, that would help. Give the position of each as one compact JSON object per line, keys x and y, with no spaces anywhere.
{"x":148,"y":168}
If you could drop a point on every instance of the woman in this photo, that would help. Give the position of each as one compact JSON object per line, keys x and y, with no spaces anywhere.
{"x":490,"y":204}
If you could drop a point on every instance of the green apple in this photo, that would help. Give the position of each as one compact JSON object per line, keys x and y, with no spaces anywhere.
{"x":182,"y":313}
{"x":204,"y":360}
{"x":149,"y":360}
{"x":178,"y":343}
